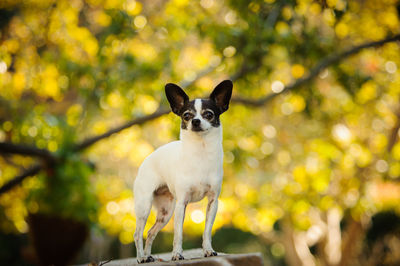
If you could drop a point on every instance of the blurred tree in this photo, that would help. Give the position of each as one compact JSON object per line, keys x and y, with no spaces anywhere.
{"x":322,"y":151}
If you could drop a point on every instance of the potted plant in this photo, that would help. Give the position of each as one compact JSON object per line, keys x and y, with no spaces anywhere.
{"x":65,"y":208}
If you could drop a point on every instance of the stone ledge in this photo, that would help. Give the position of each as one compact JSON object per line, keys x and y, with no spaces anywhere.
{"x":194,"y":257}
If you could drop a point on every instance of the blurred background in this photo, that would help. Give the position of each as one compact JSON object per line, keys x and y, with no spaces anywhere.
{"x":311,"y":139}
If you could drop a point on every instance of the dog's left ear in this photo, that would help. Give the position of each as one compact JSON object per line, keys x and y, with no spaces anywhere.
{"x":222,"y":94}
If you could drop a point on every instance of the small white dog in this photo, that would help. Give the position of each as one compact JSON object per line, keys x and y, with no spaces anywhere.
{"x":183,"y":171}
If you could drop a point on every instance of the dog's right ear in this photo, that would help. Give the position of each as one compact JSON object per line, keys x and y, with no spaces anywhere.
{"x":177,"y":98}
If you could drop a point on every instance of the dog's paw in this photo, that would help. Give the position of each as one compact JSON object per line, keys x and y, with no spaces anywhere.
{"x":145,"y":260}
{"x":150,"y":259}
{"x":210,"y":253}
{"x":177,"y":256}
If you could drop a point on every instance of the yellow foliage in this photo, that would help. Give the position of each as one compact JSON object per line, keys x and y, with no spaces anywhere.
{"x":99,"y":127}
{"x":301,"y":221}
{"x":389,"y":18}
{"x":52,"y":146}
{"x":292,"y":189}
{"x":113,"y":4}
{"x":329,"y":17}
{"x":342,"y":30}
{"x":367,"y":92}
{"x":193,"y":58}
{"x":321,"y":181}
{"x":73,"y":114}
{"x":300,"y":176}
{"x":240,"y":220}
{"x":248,"y":143}
{"x":379,"y":143}
{"x":133,"y":7}
{"x":394,"y":171}
{"x":252,"y":196}
{"x":282,"y":28}
{"x":332,"y":3}
{"x":180,"y":3}
{"x":143,"y":51}
{"x":141,"y":151}
{"x":300,"y":207}
{"x":327,"y":202}
{"x":266,"y":219}
{"x":297,"y":71}
{"x":126,"y":237}
{"x":102,"y":18}
{"x":148,"y":103}
{"x":396,"y":151}
{"x":95,"y":2}
{"x":297,"y":102}
{"x":18,"y":84}
{"x":287,"y":12}
{"x":11,"y":45}
{"x":114,"y":99}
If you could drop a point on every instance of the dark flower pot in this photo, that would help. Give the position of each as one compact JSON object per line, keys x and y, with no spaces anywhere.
{"x":56,"y":240}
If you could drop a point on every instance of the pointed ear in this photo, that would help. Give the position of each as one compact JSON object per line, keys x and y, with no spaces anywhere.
{"x":177,"y":98}
{"x":222,"y":94}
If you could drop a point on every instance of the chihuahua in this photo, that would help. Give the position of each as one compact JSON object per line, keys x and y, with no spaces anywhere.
{"x":183,"y":171}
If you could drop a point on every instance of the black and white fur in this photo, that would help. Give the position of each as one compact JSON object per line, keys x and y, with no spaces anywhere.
{"x":183,"y":171}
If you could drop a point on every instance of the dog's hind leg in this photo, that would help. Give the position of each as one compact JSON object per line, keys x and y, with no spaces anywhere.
{"x":164,"y":203}
{"x":142,"y":211}
{"x":143,"y":202}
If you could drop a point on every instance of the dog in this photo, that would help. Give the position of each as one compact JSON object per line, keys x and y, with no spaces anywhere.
{"x":183,"y":171}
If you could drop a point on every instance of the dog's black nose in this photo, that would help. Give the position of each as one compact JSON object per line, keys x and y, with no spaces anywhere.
{"x":196,"y":122}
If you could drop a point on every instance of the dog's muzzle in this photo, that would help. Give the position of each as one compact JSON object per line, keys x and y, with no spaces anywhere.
{"x":196,"y":125}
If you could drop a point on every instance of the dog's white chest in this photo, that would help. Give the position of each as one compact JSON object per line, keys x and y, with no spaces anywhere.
{"x":201,"y":174}
{"x":198,"y":168}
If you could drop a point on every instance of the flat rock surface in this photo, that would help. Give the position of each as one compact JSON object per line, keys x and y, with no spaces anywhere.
{"x":194,"y":257}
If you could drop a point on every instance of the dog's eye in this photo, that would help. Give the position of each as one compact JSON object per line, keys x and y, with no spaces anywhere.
{"x":187,"y":116}
{"x":208,"y":115}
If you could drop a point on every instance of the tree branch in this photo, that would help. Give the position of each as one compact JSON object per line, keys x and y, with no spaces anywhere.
{"x":18,"y":179}
{"x":10,"y":148}
{"x":323,"y":64}
{"x":138,"y":121}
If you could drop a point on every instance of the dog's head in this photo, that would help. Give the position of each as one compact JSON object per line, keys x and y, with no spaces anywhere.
{"x":199,"y":115}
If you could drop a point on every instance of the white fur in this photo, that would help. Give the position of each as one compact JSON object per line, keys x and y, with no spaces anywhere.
{"x":191,"y":168}
{"x":197,"y":107}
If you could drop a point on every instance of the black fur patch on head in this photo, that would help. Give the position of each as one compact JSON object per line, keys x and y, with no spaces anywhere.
{"x":209,"y":104}
{"x":188,"y":107}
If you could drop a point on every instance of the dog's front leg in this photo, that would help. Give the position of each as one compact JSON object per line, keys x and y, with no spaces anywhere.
{"x":212,"y":208}
{"x":178,"y":229}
